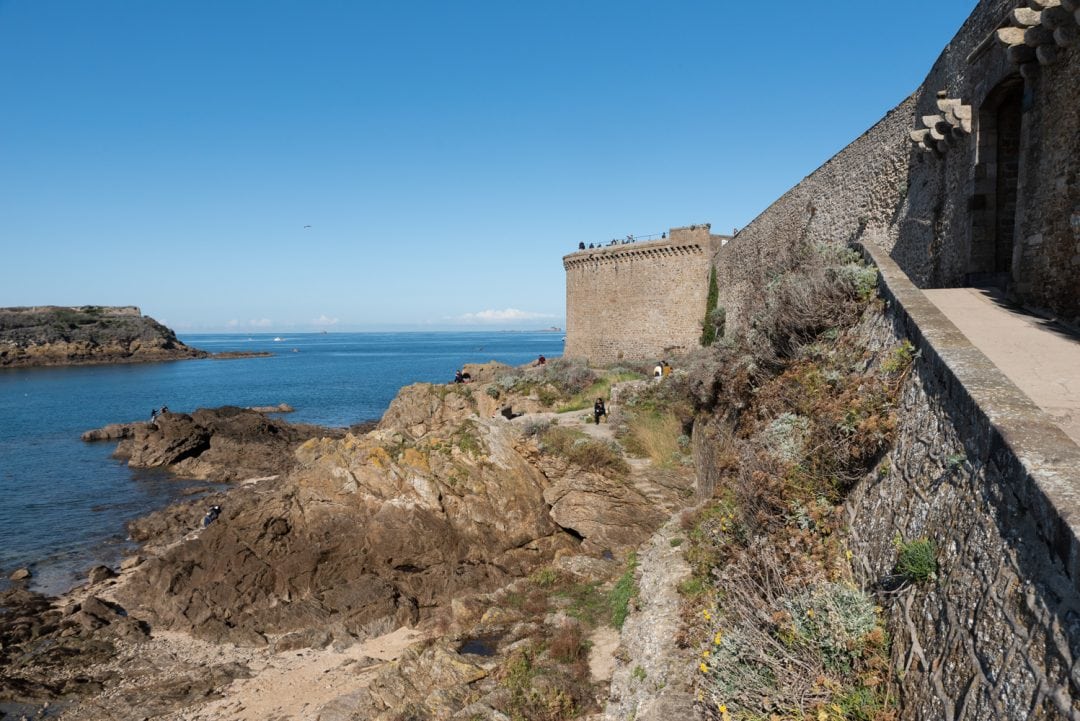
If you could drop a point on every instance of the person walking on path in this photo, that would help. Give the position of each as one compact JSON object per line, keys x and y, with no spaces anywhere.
{"x":598,"y":410}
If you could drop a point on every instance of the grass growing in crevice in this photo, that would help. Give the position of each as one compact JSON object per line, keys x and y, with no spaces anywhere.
{"x":916,"y":561}
{"x":547,"y":677}
{"x":583,"y":451}
{"x":624,"y":593}
{"x":600,"y":389}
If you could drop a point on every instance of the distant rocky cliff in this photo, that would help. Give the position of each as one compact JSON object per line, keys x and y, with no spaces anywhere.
{"x":56,"y":335}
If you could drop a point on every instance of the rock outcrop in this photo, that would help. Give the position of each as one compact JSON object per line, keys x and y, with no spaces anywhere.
{"x":219,"y":444}
{"x":435,"y":519}
{"x":363,"y":535}
{"x":54,"y":335}
{"x":89,"y":335}
{"x":46,"y":651}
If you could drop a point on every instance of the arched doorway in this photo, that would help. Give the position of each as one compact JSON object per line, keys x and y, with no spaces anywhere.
{"x":997,"y":174}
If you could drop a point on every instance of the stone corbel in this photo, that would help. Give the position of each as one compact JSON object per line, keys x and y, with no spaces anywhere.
{"x":1037,"y":33}
{"x":939,"y":130}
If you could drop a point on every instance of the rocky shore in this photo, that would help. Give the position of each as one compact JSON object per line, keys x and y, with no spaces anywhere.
{"x":89,"y":335}
{"x":369,"y":571}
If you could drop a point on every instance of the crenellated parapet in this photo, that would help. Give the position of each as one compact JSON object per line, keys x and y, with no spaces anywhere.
{"x":647,"y":252}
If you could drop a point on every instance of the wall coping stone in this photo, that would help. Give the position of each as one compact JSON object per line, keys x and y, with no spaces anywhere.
{"x":1039,"y":456}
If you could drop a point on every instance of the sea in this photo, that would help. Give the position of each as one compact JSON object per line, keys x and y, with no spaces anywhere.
{"x":64,"y":503}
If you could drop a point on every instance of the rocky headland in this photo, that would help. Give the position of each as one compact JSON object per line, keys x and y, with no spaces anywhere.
{"x":89,"y":334}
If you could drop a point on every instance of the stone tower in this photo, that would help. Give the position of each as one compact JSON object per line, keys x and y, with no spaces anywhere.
{"x":641,"y":300}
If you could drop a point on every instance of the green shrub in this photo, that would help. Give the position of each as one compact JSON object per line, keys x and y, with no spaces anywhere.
{"x":916,"y":560}
{"x":835,"y":619}
{"x":900,"y":358}
{"x":535,"y":427}
{"x":544,"y":577}
{"x":568,"y":376}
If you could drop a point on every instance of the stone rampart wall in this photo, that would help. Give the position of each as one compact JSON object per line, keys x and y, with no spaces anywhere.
{"x":936,"y":205}
{"x":986,"y":475}
{"x":638,"y":301}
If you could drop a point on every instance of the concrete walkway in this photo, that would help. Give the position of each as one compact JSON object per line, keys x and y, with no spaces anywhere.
{"x":1041,"y":358}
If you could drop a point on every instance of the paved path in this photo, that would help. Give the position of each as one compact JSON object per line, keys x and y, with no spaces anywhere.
{"x":1041,"y":358}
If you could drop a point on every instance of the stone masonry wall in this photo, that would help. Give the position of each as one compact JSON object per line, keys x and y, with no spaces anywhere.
{"x":932,"y":204}
{"x":638,"y":301}
{"x":987,"y":476}
{"x":984,"y":474}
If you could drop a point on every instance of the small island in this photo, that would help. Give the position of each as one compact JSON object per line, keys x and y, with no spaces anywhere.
{"x":90,"y":334}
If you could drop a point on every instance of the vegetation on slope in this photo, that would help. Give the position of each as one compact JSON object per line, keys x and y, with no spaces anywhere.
{"x":797,"y":411}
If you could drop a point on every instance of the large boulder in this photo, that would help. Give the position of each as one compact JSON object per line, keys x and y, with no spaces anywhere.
{"x":424,"y":408}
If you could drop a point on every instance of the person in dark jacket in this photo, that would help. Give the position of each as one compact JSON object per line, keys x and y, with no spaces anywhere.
{"x":598,"y":410}
{"x":211,"y":515}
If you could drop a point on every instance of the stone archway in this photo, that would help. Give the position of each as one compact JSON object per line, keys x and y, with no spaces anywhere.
{"x":997,"y":173}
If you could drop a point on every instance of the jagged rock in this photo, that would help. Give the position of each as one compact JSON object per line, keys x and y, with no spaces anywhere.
{"x":222,"y":444}
{"x":586,"y":567}
{"x":43,"y":654}
{"x":97,"y":574}
{"x":365,"y":531}
{"x":306,"y":638}
{"x":172,"y":438}
{"x":422,"y":408}
{"x":607,"y":513}
{"x":486,"y":372}
{"x":111,"y":432}
{"x":434,"y":677}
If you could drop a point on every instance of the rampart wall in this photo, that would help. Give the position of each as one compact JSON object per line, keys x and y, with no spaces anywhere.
{"x":972,"y":179}
{"x":987,"y":476}
{"x":636,"y":301}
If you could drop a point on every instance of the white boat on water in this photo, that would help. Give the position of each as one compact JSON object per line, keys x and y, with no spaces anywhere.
{"x":278,"y":339}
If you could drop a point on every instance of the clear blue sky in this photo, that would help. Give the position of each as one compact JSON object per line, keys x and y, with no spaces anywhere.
{"x":445,"y":154}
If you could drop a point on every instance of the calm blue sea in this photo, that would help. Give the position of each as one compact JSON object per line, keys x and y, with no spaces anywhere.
{"x":64,"y":503}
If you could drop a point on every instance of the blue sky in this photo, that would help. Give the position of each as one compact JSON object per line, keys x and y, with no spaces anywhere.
{"x":445,"y":154}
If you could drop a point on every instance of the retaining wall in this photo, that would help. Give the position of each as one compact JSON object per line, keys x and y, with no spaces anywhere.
{"x":987,"y":476}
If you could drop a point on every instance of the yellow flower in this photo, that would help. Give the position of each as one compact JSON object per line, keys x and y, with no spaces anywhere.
{"x":705,"y":653}
{"x":810,"y":612}
{"x":716,"y":638}
{"x":703,"y":667}
{"x":822,"y":715}
{"x":848,"y":554}
{"x":707,"y":615}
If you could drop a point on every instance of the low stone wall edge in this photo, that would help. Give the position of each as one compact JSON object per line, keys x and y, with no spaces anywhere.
{"x":1013,"y":428}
